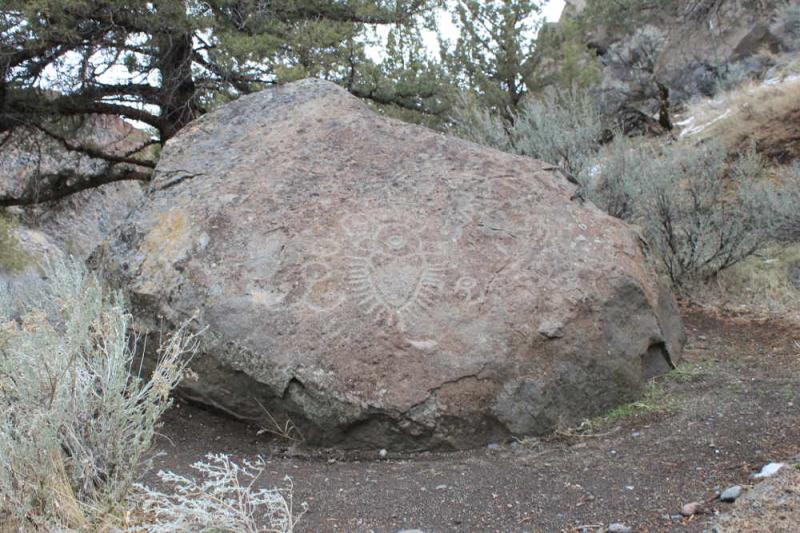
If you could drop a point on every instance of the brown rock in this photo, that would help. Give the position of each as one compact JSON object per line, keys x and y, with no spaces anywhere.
{"x":692,"y":508}
{"x":385,"y":285}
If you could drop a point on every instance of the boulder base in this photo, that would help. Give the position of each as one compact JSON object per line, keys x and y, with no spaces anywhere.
{"x":381,"y":284}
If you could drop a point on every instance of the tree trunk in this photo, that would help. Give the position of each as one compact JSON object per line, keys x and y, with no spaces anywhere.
{"x":663,"y":107}
{"x":177,"y":97}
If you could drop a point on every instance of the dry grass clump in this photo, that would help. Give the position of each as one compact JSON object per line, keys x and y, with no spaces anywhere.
{"x":762,"y":283}
{"x":224,"y":499}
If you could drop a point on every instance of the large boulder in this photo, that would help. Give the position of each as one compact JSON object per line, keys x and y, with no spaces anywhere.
{"x":382,"y":284}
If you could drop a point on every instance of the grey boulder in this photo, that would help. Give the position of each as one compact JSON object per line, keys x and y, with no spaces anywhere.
{"x":378,"y":284}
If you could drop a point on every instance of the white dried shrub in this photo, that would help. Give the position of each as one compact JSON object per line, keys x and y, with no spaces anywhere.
{"x":224,"y":499}
{"x":76,"y":416}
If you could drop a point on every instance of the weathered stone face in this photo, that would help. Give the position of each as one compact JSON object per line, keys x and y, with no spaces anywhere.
{"x":383,"y":284}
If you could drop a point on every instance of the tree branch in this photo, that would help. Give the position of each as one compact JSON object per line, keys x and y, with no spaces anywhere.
{"x":97,"y":153}
{"x":67,"y":182}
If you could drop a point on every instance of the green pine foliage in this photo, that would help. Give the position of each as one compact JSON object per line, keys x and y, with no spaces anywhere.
{"x":494,"y":54}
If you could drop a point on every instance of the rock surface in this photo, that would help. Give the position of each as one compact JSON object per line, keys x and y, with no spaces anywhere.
{"x":23,"y":252}
{"x":380,"y":284}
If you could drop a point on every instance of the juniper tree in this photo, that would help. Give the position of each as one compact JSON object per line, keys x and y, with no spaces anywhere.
{"x":494,"y":54}
{"x":165,"y":62}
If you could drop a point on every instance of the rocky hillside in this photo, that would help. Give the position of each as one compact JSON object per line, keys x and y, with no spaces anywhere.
{"x":657,"y":53}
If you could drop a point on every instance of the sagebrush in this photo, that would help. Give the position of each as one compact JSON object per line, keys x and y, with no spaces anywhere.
{"x":699,"y":212}
{"x":76,"y":418}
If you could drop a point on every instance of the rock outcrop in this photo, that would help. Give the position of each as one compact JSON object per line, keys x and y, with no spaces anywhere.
{"x":702,"y":44}
{"x":78,"y":222}
{"x":381,"y":284}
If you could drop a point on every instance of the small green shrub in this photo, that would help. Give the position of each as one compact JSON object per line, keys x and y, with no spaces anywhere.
{"x":699,"y":213}
{"x":562,"y":128}
{"x":471,"y":121}
{"x":76,"y":418}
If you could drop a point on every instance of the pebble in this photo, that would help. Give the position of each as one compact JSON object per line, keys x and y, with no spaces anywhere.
{"x":769,"y":470}
{"x":691,"y":509}
{"x":493,"y":446}
{"x":441,"y":487}
{"x":382,"y":453}
{"x":616,"y":527}
{"x":731,"y":493}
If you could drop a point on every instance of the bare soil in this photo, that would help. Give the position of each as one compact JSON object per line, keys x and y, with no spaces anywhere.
{"x":733,"y":405}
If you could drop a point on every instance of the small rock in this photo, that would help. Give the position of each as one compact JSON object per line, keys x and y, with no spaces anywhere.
{"x":441,"y":487}
{"x":769,"y":470}
{"x":382,"y":453}
{"x":629,"y":487}
{"x":493,"y":446}
{"x":691,"y":509}
{"x":619,"y":528}
{"x":551,"y":329}
{"x":731,"y":493}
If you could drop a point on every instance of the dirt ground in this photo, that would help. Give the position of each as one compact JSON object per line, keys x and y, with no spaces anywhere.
{"x":732,"y":406}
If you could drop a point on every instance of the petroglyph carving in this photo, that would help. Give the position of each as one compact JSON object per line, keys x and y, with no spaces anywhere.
{"x":395,"y":273}
{"x":466,"y":288}
{"x":385,"y":264}
{"x":321,"y":293}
